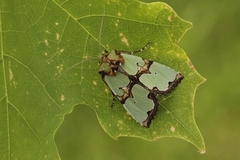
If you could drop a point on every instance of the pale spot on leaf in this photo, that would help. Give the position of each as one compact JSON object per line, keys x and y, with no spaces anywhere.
{"x":170,"y":18}
{"x":119,"y":14}
{"x":46,"y":42}
{"x":106,"y":90}
{"x":57,"y":36}
{"x":62,"y":97}
{"x":172,"y":129}
{"x":116,"y":23}
{"x":95,"y":83}
{"x":124,"y":40}
{"x":120,"y":122}
{"x":10,"y":74}
{"x":47,"y":31}
{"x":60,"y":68}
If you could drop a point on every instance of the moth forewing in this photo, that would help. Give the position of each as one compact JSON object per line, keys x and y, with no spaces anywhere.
{"x":134,"y":98}
{"x":140,"y":105}
{"x":160,"y":77}
{"x":130,"y":63}
{"x":116,"y":82}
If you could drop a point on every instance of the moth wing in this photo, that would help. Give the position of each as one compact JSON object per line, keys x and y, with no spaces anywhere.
{"x":160,"y":76}
{"x":130,"y":63}
{"x":139,"y":105}
{"x":117,"y":81}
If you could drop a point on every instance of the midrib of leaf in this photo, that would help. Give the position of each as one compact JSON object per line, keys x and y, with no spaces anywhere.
{"x":8,"y":103}
{"x":5,"y":87}
{"x":181,"y":124}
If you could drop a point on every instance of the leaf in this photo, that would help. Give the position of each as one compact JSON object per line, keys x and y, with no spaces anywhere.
{"x":41,"y":40}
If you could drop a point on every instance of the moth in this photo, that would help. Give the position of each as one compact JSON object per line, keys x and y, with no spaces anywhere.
{"x":137,"y":82}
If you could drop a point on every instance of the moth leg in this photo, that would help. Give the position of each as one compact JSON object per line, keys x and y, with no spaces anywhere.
{"x":113,"y":99}
{"x":106,"y":51}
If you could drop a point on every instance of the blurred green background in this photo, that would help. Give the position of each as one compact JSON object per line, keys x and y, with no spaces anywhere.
{"x":213,"y":45}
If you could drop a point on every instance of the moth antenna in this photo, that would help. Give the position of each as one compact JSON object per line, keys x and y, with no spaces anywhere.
{"x":140,"y":50}
{"x":76,"y":65}
{"x":99,"y":37}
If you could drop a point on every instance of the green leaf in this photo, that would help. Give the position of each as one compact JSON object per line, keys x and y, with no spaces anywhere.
{"x":41,"y":40}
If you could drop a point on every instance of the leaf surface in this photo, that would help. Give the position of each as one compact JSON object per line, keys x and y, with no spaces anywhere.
{"x":41,"y":40}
